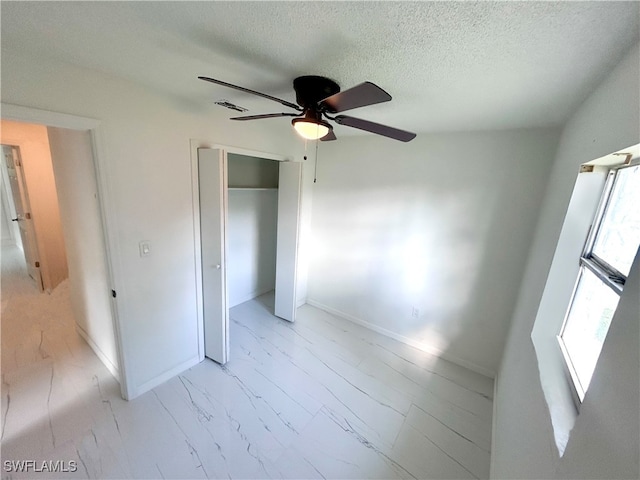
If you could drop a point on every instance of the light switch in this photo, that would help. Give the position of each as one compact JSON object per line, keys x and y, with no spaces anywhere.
{"x":145,"y":248}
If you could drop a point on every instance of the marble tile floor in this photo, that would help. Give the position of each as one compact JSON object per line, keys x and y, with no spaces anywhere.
{"x":321,"y":398}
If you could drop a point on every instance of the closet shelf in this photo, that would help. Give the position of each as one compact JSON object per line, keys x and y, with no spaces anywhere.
{"x":252,"y":188}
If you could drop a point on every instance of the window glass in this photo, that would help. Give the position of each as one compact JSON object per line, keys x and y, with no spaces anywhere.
{"x":619,"y":235}
{"x":587,"y":324}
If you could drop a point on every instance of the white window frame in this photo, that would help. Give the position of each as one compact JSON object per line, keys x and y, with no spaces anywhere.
{"x":558,"y":288}
{"x":605,"y":272}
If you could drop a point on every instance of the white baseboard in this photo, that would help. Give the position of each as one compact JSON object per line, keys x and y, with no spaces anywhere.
{"x":257,"y":293}
{"x":163,"y":377}
{"x":99,"y":353}
{"x":250,"y":296}
{"x":406,"y":340}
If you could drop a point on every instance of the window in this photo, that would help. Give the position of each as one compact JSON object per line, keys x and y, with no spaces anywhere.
{"x":604,"y":266}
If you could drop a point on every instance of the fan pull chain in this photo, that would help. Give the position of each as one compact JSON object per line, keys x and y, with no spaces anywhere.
{"x":315,"y":167}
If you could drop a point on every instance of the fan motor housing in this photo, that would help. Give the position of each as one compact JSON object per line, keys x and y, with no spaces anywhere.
{"x":310,"y":89}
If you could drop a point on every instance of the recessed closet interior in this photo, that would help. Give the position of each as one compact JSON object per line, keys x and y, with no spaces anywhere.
{"x":251,"y":226}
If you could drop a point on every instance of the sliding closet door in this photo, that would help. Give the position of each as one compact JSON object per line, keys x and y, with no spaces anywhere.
{"x":212,"y":173}
{"x":289,"y":189}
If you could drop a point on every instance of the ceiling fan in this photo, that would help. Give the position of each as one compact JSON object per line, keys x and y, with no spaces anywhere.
{"x":316,"y":98}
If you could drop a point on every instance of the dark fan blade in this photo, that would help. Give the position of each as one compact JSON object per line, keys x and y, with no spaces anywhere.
{"x":361,"y":95}
{"x":329,"y":137}
{"x":267,"y":115}
{"x":372,"y":127}
{"x":253,"y":92}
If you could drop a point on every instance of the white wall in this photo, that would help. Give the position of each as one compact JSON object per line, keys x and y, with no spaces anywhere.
{"x":442,"y":223}
{"x":145,"y":153}
{"x":251,"y":242}
{"x":72,"y":157}
{"x":604,"y":442}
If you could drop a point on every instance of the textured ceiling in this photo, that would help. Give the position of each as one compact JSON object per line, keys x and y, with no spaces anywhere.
{"x":449,"y":65}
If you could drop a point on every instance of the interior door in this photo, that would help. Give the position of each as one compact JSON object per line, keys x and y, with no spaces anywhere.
{"x":212,"y":178}
{"x":20,"y":198}
{"x":289,"y":190}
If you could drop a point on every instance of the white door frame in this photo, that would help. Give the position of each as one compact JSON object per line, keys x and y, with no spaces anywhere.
{"x":108,"y":218}
{"x":195,"y":145}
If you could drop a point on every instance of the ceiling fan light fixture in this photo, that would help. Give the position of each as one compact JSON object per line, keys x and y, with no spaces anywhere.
{"x":316,"y":96}
{"x":310,"y":128}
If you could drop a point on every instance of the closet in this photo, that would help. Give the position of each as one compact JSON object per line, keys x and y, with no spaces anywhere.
{"x":251,"y":226}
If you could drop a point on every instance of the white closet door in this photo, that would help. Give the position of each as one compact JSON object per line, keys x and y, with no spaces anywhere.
{"x":289,"y":186}
{"x":212,"y":173}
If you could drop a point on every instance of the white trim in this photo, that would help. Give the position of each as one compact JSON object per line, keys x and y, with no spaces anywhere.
{"x":494,"y":427}
{"x":167,"y":375}
{"x":45,"y":117}
{"x":406,"y":340}
{"x":110,"y":227}
{"x":616,"y":158}
{"x":96,"y":349}
{"x":74,"y":122}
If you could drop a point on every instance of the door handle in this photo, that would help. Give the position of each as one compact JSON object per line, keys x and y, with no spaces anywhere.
{"x":218,"y":266}
{"x":15,"y":219}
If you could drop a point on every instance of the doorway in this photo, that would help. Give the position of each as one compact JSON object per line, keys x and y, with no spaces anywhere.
{"x":17,"y":224}
{"x":248,"y":206}
{"x":30,"y":180}
{"x":73,"y":146}
{"x":251,"y":228}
